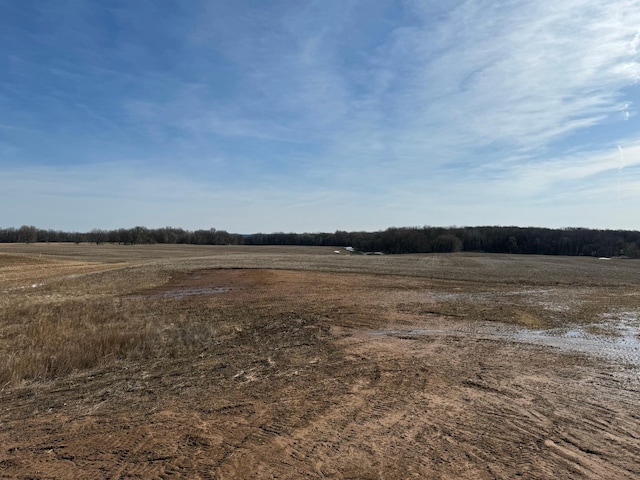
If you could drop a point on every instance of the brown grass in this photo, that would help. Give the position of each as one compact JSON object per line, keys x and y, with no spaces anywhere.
{"x":295,"y":370}
{"x":88,"y":314}
{"x":47,"y":341}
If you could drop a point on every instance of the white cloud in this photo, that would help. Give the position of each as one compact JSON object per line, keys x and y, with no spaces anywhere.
{"x":520,"y":72}
{"x":435,"y":88}
{"x":436,"y":112}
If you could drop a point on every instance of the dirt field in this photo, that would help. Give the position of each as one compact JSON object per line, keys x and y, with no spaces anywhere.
{"x":259,"y":362}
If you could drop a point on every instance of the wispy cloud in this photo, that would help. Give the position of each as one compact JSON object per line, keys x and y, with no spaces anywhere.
{"x":420,"y":112}
{"x":523,"y":74}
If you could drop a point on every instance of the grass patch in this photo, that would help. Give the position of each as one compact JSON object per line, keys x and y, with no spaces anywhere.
{"x":46,"y":341}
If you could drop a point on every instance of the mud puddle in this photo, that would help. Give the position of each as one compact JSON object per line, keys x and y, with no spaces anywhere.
{"x":616,"y":337}
{"x":553,"y":300}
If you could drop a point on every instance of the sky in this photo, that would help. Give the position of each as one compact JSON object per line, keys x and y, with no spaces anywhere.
{"x":315,"y":116}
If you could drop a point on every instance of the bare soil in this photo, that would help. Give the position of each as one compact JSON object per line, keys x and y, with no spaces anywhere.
{"x":299,"y":363}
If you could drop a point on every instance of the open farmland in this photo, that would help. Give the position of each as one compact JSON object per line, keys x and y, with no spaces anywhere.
{"x":295,"y":362}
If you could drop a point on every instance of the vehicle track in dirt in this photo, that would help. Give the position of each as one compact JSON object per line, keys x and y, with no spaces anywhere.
{"x":280,"y":373}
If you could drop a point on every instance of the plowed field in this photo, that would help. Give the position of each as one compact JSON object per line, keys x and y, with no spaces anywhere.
{"x":238,"y":362}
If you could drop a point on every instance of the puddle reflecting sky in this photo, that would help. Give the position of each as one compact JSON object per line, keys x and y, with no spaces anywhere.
{"x":617,"y":337}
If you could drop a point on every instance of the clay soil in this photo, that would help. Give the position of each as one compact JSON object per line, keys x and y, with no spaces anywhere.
{"x":238,"y":362}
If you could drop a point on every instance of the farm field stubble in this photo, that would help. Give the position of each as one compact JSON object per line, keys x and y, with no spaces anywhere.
{"x":295,"y":362}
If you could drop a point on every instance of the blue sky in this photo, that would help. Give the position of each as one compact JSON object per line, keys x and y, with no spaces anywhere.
{"x":314,"y":116}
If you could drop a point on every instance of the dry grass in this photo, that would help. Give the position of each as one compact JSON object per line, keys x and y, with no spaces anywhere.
{"x":114,"y":368}
{"x":47,"y":341}
{"x":60,"y":316}
{"x":88,"y":314}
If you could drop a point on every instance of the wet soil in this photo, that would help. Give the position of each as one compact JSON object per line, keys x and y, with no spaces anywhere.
{"x":348,"y":375}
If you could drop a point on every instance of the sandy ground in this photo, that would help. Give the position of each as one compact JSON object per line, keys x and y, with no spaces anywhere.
{"x":321,"y":366}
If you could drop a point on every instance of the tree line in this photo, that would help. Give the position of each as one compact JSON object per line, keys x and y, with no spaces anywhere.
{"x":121,"y":236}
{"x":490,"y":239}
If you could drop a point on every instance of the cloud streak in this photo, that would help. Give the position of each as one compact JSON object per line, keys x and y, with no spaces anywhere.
{"x":421,"y":112}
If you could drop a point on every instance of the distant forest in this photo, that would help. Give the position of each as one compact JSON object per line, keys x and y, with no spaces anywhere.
{"x":527,"y":240}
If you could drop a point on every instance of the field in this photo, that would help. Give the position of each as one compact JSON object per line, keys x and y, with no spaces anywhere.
{"x":292,"y":362}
